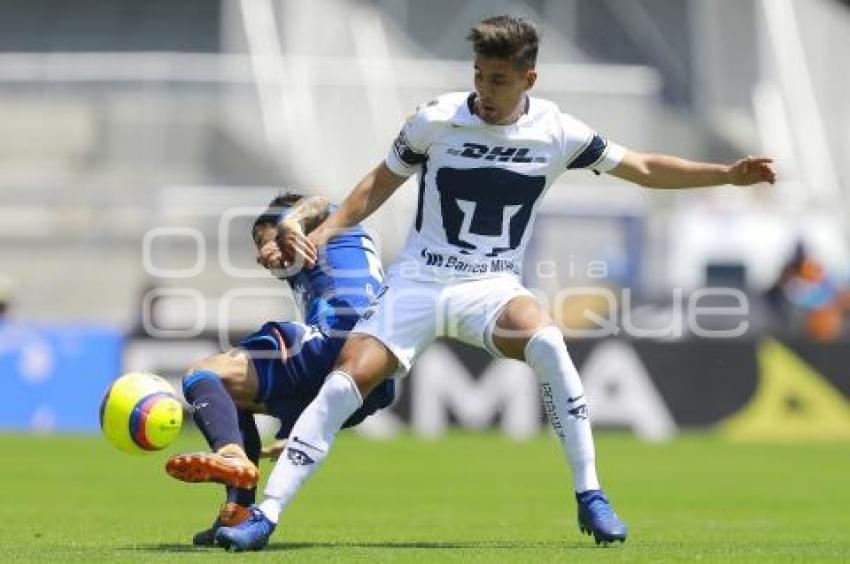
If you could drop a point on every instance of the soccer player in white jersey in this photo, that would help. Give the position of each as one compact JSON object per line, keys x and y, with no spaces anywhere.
{"x":484,"y":160}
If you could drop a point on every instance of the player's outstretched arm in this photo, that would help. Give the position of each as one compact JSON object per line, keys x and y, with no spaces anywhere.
{"x":666,"y":171}
{"x":367,"y":196}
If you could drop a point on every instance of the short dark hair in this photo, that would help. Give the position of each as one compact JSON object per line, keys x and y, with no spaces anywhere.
{"x":506,"y":37}
{"x":274,"y":212}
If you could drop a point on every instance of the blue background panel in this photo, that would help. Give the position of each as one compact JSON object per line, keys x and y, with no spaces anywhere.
{"x":53,"y":377}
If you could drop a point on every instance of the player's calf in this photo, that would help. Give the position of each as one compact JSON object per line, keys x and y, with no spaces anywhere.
{"x":216,"y":416}
{"x":212,"y":408}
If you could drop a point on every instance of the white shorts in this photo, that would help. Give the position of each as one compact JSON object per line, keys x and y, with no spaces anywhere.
{"x":410,"y":314}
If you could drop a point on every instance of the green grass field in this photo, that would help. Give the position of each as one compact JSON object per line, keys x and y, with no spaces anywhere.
{"x":465,"y":498}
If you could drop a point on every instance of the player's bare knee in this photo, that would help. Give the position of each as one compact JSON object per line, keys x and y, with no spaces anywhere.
{"x":196,"y":366}
{"x":231,"y":368}
{"x":517,"y":323}
{"x":522,"y":315}
{"x":367,"y":361}
{"x":213,"y":363}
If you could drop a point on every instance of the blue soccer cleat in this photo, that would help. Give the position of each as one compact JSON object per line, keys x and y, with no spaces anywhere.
{"x":596,"y":517}
{"x":251,"y":534}
{"x":207,"y":536}
{"x":230,"y":515}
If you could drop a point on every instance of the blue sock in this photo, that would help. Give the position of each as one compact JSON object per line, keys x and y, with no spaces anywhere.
{"x":213,"y":409}
{"x":251,"y":439}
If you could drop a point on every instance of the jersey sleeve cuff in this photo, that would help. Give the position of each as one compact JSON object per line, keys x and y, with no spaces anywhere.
{"x":397,"y":166}
{"x":609,"y":160}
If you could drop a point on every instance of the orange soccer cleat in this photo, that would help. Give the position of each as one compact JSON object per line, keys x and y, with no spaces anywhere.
{"x":229,"y":466}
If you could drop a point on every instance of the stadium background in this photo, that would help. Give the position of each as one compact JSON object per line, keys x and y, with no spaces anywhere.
{"x":140,"y":138}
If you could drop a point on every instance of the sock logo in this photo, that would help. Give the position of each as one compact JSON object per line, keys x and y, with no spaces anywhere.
{"x":579,"y":412}
{"x":298,"y":457}
{"x":198,"y":405}
{"x":308,"y":445}
{"x":575,"y":399}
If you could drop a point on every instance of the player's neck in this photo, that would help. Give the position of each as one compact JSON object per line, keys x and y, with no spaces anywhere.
{"x":514,"y":116}
{"x":520,"y":109}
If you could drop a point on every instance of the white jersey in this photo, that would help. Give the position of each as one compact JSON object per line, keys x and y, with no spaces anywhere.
{"x":480,"y":184}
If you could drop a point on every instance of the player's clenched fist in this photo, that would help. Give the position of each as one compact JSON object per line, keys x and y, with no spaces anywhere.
{"x":269,"y":256}
{"x":752,"y":170}
{"x":295,"y":247}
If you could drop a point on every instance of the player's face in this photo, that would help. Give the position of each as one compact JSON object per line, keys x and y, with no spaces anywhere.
{"x":264,"y":234}
{"x":501,"y":89}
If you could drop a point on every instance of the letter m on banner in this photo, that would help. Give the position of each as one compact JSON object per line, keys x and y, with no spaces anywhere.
{"x":441,"y":385}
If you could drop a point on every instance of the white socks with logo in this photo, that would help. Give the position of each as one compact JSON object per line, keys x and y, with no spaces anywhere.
{"x":310,"y":440}
{"x":564,"y":403}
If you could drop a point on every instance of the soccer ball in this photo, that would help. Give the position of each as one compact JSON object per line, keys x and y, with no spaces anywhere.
{"x":140,"y":413}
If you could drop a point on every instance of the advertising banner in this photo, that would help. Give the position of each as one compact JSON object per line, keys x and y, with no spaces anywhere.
{"x":745,"y":389}
{"x":53,"y":377}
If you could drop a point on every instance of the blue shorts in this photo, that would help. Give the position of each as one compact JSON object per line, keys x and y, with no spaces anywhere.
{"x":292,"y":361}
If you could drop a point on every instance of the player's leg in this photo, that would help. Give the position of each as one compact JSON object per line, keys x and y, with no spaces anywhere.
{"x":363,"y":363}
{"x":238,"y":500}
{"x":524,"y":331}
{"x":400,"y":327}
{"x":214,"y":387}
{"x":242,"y":386}
{"x":259,"y":379}
{"x":252,"y":444}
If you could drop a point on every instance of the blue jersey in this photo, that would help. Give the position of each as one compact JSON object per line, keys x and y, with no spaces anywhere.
{"x":293,"y":359}
{"x":342,"y":285}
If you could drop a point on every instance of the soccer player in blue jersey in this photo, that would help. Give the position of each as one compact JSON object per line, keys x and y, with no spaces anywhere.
{"x":279,"y":369}
{"x":484,"y":159}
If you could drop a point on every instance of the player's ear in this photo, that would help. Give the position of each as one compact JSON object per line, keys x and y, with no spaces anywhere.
{"x":530,"y":78}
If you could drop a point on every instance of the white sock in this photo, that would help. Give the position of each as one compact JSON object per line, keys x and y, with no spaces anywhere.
{"x":310,"y":440}
{"x":564,"y":403}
